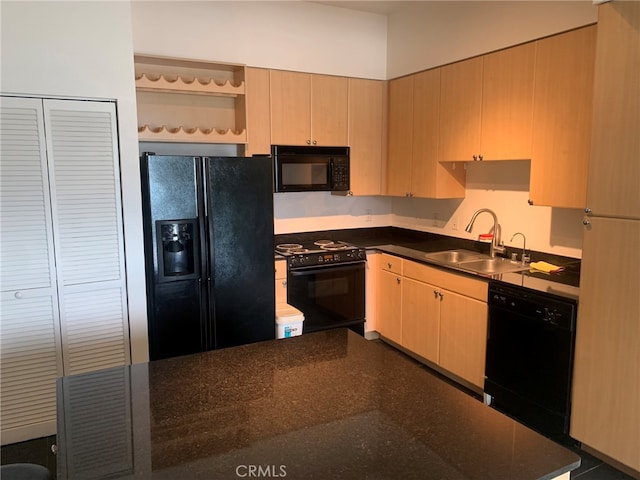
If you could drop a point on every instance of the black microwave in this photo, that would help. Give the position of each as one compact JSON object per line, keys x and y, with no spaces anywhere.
{"x":310,"y":169}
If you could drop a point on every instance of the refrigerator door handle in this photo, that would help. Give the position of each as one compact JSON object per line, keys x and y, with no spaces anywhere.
{"x":205,"y":184}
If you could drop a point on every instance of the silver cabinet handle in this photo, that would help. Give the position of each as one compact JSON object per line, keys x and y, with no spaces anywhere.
{"x":435,"y":294}
{"x":308,"y":142}
{"x":587,"y":211}
{"x":284,"y":283}
{"x":18,"y":295}
{"x":480,"y":157}
{"x":398,"y":280}
{"x":388,"y":265}
{"x":586,"y":221}
{"x":475,"y":158}
{"x":530,"y":202}
{"x":441,"y":295}
{"x":314,"y":142}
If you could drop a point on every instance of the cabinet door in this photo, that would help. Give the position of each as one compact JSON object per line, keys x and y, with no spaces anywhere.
{"x":329,"y":110}
{"x":290,"y":108}
{"x":372,"y":290}
{"x":281,"y":281}
{"x":87,"y":217}
{"x":562,"y":113}
{"x":420,"y":318}
{"x":366,"y":135}
{"x":400,"y":138}
{"x":463,"y":337}
{"x":426,"y":107}
{"x":507,"y":103}
{"x":460,"y":110}
{"x":257,"y":106}
{"x":606,"y":379}
{"x":614,"y":169}
{"x":389,"y":320}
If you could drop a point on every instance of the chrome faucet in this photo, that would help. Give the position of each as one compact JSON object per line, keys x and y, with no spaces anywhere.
{"x":525,"y":257}
{"x":496,"y":243}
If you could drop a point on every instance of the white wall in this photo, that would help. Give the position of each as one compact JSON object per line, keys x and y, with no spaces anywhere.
{"x":289,"y":35}
{"x":84,"y":50}
{"x":426,"y":34}
{"x":315,"y":211}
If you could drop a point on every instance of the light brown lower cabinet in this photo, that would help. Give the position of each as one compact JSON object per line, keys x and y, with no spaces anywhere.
{"x":389,"y":320}
{"x":421,"y":318}
{"x":463,"y":337}
{"x":281,"y":281}
{"x":605,"y":411}
{"x":438,"y":315}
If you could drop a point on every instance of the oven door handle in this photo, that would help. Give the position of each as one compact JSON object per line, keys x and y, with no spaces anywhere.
{"x":298,"y":271}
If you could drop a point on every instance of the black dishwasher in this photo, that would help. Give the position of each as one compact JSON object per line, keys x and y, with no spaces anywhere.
{"x":529,"y":363}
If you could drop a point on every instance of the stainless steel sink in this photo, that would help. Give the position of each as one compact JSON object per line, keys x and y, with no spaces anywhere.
{"x":454,"y":256}
{"x":475,"y":262}
{"x":492,"y":266}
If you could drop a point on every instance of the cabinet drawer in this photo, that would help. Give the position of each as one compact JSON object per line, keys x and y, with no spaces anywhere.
{"x":391,"y":264}
{"x":454,"y":282}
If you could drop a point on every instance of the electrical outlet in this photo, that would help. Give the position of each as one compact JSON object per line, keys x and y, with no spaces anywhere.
{"x":454,"y":223}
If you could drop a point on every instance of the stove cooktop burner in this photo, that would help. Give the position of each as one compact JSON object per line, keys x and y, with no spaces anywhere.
{"x":320,"y":253}
{"x":288,"y":247}
{"x":335,"y":246}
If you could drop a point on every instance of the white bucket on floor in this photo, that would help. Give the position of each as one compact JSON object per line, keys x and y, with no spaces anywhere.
{"x":288,"y":321}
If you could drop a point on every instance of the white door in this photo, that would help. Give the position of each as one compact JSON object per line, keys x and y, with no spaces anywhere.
{"x":87,"y":217}
{"x":31,"y":354}
{"x":62,"y":272}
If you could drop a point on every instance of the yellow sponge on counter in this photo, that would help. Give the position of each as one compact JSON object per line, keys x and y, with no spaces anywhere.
{"x":545,"y":267}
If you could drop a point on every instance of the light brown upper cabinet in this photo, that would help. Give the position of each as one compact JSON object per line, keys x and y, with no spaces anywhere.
{"x":257,"y":107}
{"x":412,"y":165}
{"x":486,"y":106}
{"x":460,"y":110}
{"x":614,"y":166}
{"x":367,"y":111}
{"x":562,"y":114}
{"x":400,"y":137}
{"x":507,"y":103}
{"x":308,"y":109}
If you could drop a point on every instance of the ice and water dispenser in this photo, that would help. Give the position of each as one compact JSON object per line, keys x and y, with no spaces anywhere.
{"x":177,"y":249}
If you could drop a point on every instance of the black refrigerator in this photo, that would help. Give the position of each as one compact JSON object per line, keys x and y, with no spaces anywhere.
{"x":208,"y":228}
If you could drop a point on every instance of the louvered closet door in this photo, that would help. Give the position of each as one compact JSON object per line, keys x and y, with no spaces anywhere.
{"x":87,"y":216}
{"x":30,"y":335}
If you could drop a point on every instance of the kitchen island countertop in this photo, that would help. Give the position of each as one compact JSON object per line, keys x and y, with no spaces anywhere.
{"x":324,"y":405}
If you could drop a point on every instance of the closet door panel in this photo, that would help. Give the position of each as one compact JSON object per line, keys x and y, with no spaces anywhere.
{"x":85,"y":181}
{"x":86,"y":204}
{"x":26,"y":256}
{"x":94,"y":319}
{"x":30,"y":365}
{"x":30,"y":353}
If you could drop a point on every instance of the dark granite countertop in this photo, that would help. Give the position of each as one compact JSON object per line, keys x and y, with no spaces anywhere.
{"x":412,"y":245}
{"x":327,"y":405}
